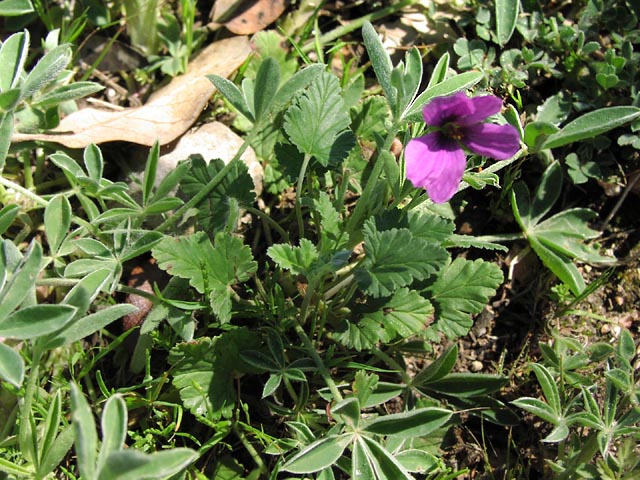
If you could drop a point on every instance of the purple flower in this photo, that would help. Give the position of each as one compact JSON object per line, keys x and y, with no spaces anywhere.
{"x":436,"y":161}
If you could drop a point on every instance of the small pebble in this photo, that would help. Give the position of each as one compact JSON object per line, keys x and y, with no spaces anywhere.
{"x":476,"y":366}
{"x":619,"y":300}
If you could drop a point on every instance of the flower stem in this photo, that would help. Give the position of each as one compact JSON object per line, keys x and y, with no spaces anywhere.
{"x":393,"y":364}
{"x":272,"y":223}
{"x":25,"y":433}
{"x":23,"y":191}
{"x":504,"y":237}
{"x":362,"y":207}
{"x":291,"y":390}
{"x":255,"y":456}
{"x":322,"y":368}
{"x":300,"y":185}
{"x":202,"y":194}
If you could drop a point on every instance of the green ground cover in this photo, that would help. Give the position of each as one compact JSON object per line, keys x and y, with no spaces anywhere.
{"x":417,"y":257}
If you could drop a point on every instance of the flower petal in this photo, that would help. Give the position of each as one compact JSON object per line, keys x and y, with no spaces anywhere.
{"x":483,"y":107}
{"x":441,"y":110}
{"x":491,"y":140}
{"x":436,"y":165}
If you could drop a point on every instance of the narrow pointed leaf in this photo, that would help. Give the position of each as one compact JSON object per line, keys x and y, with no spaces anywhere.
{"x":57,"y":221}
{"x":86,"y":444}
{"x":439,"y":71}
{"x":13,"y":55}
{"x":46,"y":70}
{"x":22,"y":280}
{"x":381,"y":62}
{"x":592,"y":124}
{"x":446,"y":87}
{"x":506,"y":18}
{"x":384,"y":464}
{"x":36,"y":321}
{"x":538,"y":408}
{"x":114,"y":427}
{"x":549,"y":387}
{"x":134,"y":465}
{"x":414,"y":423}
{"x":437,"y":369}
{"x":560,"y":265}
{"x":320,"y":454}
{"x":88,"y":325}
{"x":233,"y":94}
{"x":11,"y":366}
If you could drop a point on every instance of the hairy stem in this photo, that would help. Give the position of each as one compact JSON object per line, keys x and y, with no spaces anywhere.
{"x":202,"y":194}
{"x":322,"y":368}
{"x":303,"y":171}
{"x":255,"y":456}
{"x":23,"y":191}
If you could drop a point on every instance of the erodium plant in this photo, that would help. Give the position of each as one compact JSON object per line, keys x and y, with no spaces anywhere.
{"x":280,"y":330}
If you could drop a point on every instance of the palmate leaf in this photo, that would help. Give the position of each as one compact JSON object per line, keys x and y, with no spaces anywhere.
{"x":203,"y":372}
{"x":395,"y":258}
{"x":317,"y":122}
{"x":361,"y":335}
{"x":299,"y":260}
{"x":210,"y":268}
{"x":462,"y":289}
{"x":405,"y":314}
{"x":332,"y":238}
{"x":221,"y":208}
{"x":226,"y":262}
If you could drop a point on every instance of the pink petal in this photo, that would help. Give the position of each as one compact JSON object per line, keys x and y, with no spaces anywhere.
{"x":491,"y":140}
{"x":436,"y":165}
{"x":483,"y":107}
{"x":445,"y":109}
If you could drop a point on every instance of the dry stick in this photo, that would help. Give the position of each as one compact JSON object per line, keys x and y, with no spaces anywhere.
{"x":617,"y":206}
{"x":357,"y":23}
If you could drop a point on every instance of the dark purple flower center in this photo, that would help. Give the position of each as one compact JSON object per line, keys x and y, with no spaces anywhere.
{"x":453,"y":131}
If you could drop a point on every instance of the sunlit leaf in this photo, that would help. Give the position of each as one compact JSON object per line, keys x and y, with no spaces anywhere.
{"x":395,"y":258}
{"x":461,"y":290}
{"x":317,"y":122}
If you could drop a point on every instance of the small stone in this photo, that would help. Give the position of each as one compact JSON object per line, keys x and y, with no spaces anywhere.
{"x":476,"y":366}
{"x":604,"y":329}
{"x":211,"y":140}
{"x":619,"y":300}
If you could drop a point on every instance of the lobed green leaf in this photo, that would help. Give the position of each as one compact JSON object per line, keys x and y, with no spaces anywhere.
{"x":395,"y":258}
{"x":463,"y":289}
{"x":316,"y":123}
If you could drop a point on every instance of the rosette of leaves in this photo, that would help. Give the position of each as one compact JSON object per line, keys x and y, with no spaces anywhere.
{"x":559,"y":239}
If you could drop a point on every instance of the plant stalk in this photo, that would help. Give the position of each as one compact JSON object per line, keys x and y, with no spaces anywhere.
{"x":303,"y":171}
{"x":356,"y":24}
{"x":322,"y":368}
{"x":23,"y":191}
{"x":202,"y":194}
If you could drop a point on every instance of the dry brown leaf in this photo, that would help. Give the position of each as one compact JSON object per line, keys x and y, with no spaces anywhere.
{"x":168,"y":113}
{"x":247,"y":16}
